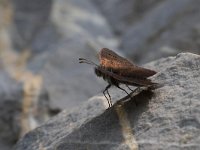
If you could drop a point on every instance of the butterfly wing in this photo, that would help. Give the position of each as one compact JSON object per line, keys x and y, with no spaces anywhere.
{"x":110,"y":59}
{"x":127,"y":80}
{"x":119,"y":65}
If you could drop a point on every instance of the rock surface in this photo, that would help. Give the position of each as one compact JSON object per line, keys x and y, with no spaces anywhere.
{"x":165,"y":118}
{"x":43,"y":31}
{"x":41,"y":41}
{"x":121,"y":20}
{"x":152,"y":29}
{"x":10,"y":105}
{"x":169,"y":28}
{"x":23,"y":101}
{"x":68,"y":33}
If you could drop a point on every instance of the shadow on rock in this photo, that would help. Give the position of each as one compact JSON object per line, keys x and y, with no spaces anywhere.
{"x":110,"y":128}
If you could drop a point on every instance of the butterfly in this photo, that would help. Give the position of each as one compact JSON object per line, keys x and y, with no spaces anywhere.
{"x":117,"y":70}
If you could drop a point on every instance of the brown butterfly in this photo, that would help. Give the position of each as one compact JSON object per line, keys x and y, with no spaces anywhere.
{"x":117,"y":70}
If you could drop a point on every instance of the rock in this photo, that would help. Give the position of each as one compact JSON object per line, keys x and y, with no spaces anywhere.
{"x":10,"y":106}
{"x":80,"y":31}
{"x":166,"y":118}
{"x":24,"y":101}
{"x":30,"y":19}
{"x":59,"y":31}
{"x":119,"y":19}
{"x":18,"y":113}
{"x":40,"y":43}
{"x":169,"y":28}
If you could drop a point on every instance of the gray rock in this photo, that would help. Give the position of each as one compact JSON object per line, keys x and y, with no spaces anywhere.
{"x":39,"y":50}
{"x":30,"y":19}
{"x":165,"y":118}
{"x":81,"y":32}
{"x":17,"y":116}
{"x":122,"y":14}
{"x":65,"y":30}
{"x":21,"y":109}
{"x":10,"y":105}
{"x":167,"y":29}
{"x":40,"y":43}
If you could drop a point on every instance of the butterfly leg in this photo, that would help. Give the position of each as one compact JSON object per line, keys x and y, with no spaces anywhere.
{"x":106,"y":98}
{"x":109,"y":97}
{"x":109,"y":100}
{"x":132,"y":91}
{"x":129,"y":88}
{"x":123,"y":90}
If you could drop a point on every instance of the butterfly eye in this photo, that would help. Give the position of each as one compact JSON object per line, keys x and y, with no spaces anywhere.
{"x":97,"y":72}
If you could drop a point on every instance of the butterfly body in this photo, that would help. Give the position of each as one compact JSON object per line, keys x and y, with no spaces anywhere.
{"x":100,"y":72}
{"x":117,"y":70}
{"x":116,"y":79}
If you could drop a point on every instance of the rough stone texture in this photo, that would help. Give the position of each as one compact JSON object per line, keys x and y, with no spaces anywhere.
{"x":171,"y":27}
{"x":40,"y":43}
{"x":12,"y":117}
{"x":30,"y":18}
{"x":10,"y":106}
{"x":166,"y":118}
{"x":152,"y":29}
{"x":14,"y":121}
{"x":63,"y":31}
{"x":77,"y":35}
{"x":23,"y":105}
{"x":122,"y":14}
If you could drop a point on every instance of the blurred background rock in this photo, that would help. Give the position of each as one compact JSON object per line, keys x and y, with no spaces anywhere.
{"x":41,"y":41}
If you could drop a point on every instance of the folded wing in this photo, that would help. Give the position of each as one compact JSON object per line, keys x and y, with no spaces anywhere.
{"x":127,"y":80}
{"x":121,"y":66}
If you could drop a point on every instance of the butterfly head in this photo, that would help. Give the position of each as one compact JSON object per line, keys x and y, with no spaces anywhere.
{"x":96,"y":69}
{"x":97,"y":72}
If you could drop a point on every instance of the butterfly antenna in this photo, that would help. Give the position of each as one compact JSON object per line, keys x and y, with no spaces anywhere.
{"x":83,"y":60}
